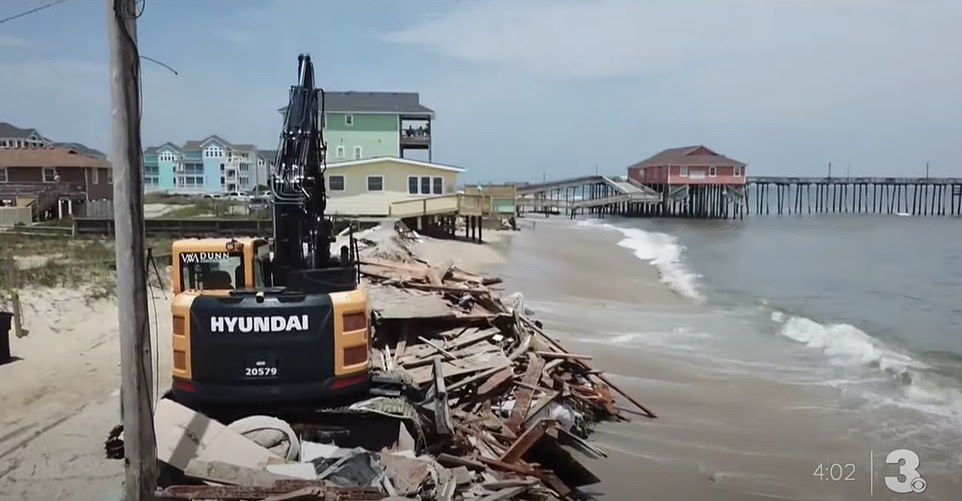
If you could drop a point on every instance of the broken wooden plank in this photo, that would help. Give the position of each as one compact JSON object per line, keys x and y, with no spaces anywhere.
{"x":474,"y":363}
{"x":439,"y":349}
{"x":442,"y":416}
{"x":497,"y":379}
{"x":558,"y":346}
{"x":523,"y":399}
{"x":305,"y":494}
{"x":527,"y":440}
{"x":449,"y":460}
{"x":569,"y":356}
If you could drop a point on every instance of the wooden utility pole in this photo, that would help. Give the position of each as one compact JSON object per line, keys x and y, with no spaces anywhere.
{"x":140,"y":448}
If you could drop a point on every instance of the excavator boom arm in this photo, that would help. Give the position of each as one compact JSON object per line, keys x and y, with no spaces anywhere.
{"x":302,"y":233}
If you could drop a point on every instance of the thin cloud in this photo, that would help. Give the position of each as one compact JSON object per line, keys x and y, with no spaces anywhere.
{"x":758,"y":78}
{"x":799,"y":56}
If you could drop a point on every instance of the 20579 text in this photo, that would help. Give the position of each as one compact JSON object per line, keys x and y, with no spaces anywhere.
{"x":260,"y":371}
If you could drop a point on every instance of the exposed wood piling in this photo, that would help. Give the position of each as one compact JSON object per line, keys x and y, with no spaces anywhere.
{"x":856,"y":195}
{"x":595,"y":196}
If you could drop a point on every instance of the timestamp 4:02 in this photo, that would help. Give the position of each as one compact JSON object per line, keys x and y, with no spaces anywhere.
{"x":835,"y":471}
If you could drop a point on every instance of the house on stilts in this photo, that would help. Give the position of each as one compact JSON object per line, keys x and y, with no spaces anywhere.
{"x":694,"y":181}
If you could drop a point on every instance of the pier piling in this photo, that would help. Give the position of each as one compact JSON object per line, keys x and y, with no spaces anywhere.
{"x":598,"y":196}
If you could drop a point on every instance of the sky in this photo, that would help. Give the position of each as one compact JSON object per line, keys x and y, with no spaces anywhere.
{"x":526,"y":89}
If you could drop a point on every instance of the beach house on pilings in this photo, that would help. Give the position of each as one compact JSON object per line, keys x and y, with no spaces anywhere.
{"x":363,"y":125}
{"x":694,"y":181}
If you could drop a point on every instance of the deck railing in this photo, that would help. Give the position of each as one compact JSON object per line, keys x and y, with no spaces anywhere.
{"x":460,"y":204}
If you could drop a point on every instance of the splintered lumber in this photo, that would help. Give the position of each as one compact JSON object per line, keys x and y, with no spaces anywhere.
{"x":497,"y":400}
{"x":526,"y":393}
{"x":513,"y":391}
{"x":558,"y":347}
{"x":395,"y":304}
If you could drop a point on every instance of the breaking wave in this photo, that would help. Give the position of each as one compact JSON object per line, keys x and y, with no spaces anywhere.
{"x":919,"y":385}
{"x":661,"y":250}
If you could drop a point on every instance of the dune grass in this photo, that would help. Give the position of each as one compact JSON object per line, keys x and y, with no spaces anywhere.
{"x":31,"y":261}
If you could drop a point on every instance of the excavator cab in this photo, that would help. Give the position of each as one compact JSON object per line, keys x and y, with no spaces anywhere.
{"x":208,"y":265}
{"x":237,"y":339}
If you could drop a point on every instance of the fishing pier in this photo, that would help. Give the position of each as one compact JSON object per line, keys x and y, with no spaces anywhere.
{"x":856,"y":195}
{"x":696,"y":182}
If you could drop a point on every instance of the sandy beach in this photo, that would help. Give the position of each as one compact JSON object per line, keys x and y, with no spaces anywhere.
{"x":720,"y":435}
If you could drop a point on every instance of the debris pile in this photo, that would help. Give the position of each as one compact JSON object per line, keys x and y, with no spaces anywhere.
{"x":485,"y":403}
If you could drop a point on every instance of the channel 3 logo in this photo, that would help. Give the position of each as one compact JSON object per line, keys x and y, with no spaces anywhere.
{"x":909,"y":479}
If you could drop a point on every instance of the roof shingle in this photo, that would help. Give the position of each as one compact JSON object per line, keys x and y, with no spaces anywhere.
{"x":373,"y":102}
{"x":49,"y":157}
{"x":686,"y":155}
{"x":8,"y":130}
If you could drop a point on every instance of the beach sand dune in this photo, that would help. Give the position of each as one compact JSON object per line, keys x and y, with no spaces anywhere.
{"x":59,"y":398}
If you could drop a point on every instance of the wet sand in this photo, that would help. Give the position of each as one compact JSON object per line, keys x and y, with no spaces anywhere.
{"x":719,"y":435}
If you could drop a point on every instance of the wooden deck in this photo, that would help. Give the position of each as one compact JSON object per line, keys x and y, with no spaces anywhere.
{"x":454,"y":204}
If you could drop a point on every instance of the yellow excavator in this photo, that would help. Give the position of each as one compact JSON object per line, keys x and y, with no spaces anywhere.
{"x":274,"y":321}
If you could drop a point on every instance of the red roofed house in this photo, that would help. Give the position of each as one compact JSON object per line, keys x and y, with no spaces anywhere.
{"x":688,"y":165}
{"x":694,"y":181}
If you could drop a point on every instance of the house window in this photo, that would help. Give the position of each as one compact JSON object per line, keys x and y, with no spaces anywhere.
{"x":3,"y":174}
{"x":49,"y":175}
{"x":375,"y":183}
{"x":412,"y":185}
{"x":357,"y":153}
{"x":335,"y":183}
{"x":339,"y":152}
{"x":683,"y":172}
{"x":110,"y":176}
{"x":426,"y":185}
{"x":438,"y":185}
{"x":95,"y":176}
{"x":712,"y":171}
{"x":349,"y":120}
{"x":737,"y":171}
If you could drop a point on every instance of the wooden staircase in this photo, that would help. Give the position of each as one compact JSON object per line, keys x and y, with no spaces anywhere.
{"x":46,"y":200}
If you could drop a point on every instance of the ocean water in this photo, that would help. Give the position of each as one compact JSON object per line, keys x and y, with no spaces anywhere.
{"x":865,"y":309}
{"x":869,"y":304}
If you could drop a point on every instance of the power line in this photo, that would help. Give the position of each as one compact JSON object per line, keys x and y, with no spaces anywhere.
{"x":138,"y":11}
{"x":165,"y":65}
{"x":32,"y":11}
